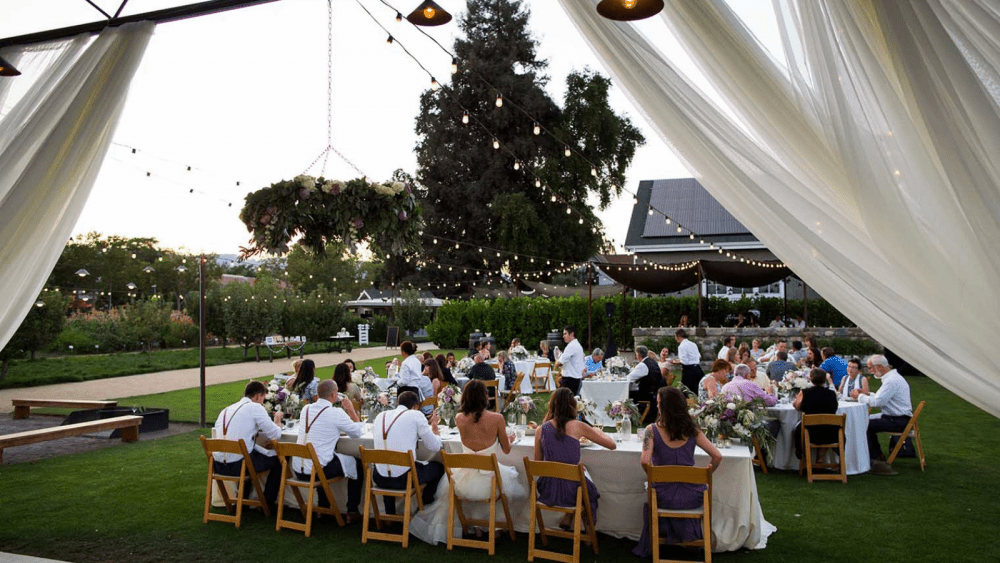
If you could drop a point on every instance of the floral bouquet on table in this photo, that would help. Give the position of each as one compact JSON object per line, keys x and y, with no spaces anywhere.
{"x":464,"y":365}
{"x":794,"y":382}
{"x":449,"y":402}
{"x":585,"y":408}
{"x":379,"y":402}
{"x":732,"y":417}
{"x":365,"y":380}
{"x":616,"y":410}
{"x":617,"y":366}
{"x":519,"y":408}
{"x":518,"y":353}
{"x":279,"y":399}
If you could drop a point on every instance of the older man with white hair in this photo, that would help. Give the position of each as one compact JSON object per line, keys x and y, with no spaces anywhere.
{"x":595,"y":361}
{"x":893,"y":397}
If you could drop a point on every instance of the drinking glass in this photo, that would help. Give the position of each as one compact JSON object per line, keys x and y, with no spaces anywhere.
{"x":618,"y":430}
{"x":519,"y":432}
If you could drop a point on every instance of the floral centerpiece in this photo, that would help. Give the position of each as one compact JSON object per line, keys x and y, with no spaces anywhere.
{"x":520,"y":407}
{"x":585,"y":408}
{"x":518,"y":353}
{"x":319,"y":210}
{"x":449,"y":402}
{"x":617,"y":366}
{"x":794,"y":382}
{"x":464,"y":365}
{"x":279,"y":399}
{"x":733,"y":417}
{"x":365,"y":380}
{"x":617,"y":410}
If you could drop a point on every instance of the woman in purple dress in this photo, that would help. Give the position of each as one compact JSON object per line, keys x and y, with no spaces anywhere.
{"x":559,"y":440}
{"x":671,"y":441}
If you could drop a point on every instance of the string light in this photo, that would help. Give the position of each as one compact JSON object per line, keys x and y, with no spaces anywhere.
{"x":465,"y":118}
{"x":499,"y":101}
{"x":434,"y":84}
{"x":389,"y":40}
{"x":567,"y":152}
{"x":517,"y":165}
{"x":537,"y":129}
{"x":454,"y":65}
{"x":496,"y":143}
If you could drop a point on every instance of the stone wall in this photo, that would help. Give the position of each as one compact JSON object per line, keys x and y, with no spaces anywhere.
{"x":710,"y":339}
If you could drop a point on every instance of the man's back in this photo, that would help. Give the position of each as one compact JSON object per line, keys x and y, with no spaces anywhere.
{"x":777,"y":369}
{"x":482,"y":371}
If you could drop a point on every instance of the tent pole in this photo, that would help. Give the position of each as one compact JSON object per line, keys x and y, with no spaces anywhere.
{"x":701,"y":276}
{"x":624,"y":313}
{"x":784,"y":293}
{"x":590,"y":305}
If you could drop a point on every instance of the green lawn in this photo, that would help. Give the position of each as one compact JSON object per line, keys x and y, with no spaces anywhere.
{"x":143,"y":502}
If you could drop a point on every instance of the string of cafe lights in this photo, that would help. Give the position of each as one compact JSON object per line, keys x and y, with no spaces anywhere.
{"x":152,"y":172}
{"x":569,"y":148}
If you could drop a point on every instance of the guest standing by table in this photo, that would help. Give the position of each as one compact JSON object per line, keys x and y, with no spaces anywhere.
{"x":572,"y":361}
{"x":817,"y":399}
{"x":689,"y":358}
{"x":893,"y":397}
{"x":671,"y":441}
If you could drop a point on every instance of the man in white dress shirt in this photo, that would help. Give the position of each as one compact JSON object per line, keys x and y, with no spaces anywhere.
{"x":893,"y":397}
{"x":571,"y":360}
{"x":645,"y":381}
{"x":398,"y":430}
{"x":727,"y":343}
{"x":243,"y":421}
{"x":689,"y":358}
{"x":411,"y":374}
{"x":320,"y":424}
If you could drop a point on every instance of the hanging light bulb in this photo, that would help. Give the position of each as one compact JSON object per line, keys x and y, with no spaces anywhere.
{"x":635,"y":200}
{"x":679,"y":229}
{"x":567,"y":152}
{"x":553,"y":198}
{"x":568,"y":210}
{"x":496,"y":143}
{"x":429,"y":14}
{"x":465,"y":118}
{"x":691,"y":236}
{"x":517,"y":165}
{"x":629,"y":10}
{"x":399,"y":17}
{"x":434,"y":84}
{"x":593,"y":172}
{"x":537,"y":129}
{"x":499,"y":101}
{"x":581,"y":220}
{"x":454,"y":65}
{"x":667,"y":220}
{"x":538,"y":183}
{"x":389,"y":40}
{"x":650,"y":211}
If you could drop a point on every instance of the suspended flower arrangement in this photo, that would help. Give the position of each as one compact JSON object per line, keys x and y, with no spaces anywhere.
{"x":384,"y":215}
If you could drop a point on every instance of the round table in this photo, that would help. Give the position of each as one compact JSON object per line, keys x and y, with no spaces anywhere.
{"x":855,"y":437}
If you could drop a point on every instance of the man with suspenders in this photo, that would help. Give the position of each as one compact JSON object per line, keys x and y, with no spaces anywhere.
{"x":320,"y":424}
{"x":243,"y":421}
{"x":398,"y":430}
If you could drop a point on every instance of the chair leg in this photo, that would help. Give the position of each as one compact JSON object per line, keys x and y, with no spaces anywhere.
{"x":366,"y":512}
{"x":208,"y":495}
{"x":920,"y":449}
{"x":451,"y":516}
{"x":493,"y":524}
{"x":577,"y":525}
{"x":406,"y":516}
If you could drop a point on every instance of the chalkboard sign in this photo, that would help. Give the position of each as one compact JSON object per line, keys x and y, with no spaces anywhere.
{"x":392,"y":337}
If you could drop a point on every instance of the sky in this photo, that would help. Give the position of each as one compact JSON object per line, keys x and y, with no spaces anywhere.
{"x":241,"y":98}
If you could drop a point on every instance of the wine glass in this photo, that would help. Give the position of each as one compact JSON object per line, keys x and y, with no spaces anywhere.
{"x":618,"y":428}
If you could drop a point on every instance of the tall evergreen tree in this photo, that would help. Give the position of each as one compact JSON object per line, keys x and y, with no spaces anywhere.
{"x":473,"y":192}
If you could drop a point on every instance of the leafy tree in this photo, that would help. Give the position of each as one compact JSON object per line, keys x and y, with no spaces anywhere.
{"x":251,"y":312}
{"x":41,"y":326}
{"x":215,"y":319}
{"x":149,"y":321}
{"x":410,"y":311}
{"x":318,"y":315}
{"x":340,"y":271}
{"x":473,"y":192}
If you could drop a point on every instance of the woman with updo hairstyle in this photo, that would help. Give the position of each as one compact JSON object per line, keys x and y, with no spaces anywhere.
{"x":306,"y":383}
{"x":671,"y":441}
{"x":711,"y":384}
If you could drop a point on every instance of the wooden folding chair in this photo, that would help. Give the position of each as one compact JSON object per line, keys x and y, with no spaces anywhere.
{"x":679,"y":474}
{"x":645,"y":411}
{"x":317,"y":480}
{"x":580,"y":511}
{"x":413,"y":488}
{"x":758,"y":457}
{"x":540,"y":376}
{"x":515,"y":389}
{"x":494,"y":398}
{"x":431,"y":401}
{"x":838,"y":420}
{"x":477,"y":463}
{"x":247,"y":472}
{"x":912,"y":430}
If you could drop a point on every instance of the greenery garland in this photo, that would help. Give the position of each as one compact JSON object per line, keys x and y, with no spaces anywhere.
{"x":386,"y":215}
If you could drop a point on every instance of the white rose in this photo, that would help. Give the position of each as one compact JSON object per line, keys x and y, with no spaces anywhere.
{"x":731,"y":406}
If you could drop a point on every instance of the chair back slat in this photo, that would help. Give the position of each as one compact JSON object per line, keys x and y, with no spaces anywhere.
{"x":224,"y":446}
{"x":304,"y":451}
{"x":679,"y":474}
{"x":431,"y":401}
{"x":824,"y":420}
{"x":469,"y":461}
{"x":554,"y":469}
{"x":387,"y":457}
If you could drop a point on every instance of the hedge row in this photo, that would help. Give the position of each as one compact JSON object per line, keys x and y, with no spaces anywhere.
{"x":530,"y":319}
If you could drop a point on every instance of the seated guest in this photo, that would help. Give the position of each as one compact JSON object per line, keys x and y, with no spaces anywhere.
{"x":432,"y":371}
{"x":350,"y":364}
{"x":514,"y":343}
{"x":776,"y":370}
{"x":483,"y":432}
{"x":834,"y":365}
{"x":485,"y":351}
{"x":893,"y":397}
{"x":445,"y":366}
{"x":306,"y":382}
{"x":476,"y":349}
{"x":594,"y":361}
{"x":798,"y":354}
{"x":647,"y":378}
{"x":452,"y":362}
{"x":777,"y":322}
{"x":346,"y":387}
{"x":483,"y":372}
{"x":755,"y":351}
{"x":296,"y":366}
{"x":731,"y":355}
{"x":684,"y":322}
{"x":321,"y":426}
{"x":666,"y":365}
{"x":507,"y":369}
{"x":799,"y":322}
{"x":558,"y":439}
{"x":817,"y":399}
{"x":411,"y":374}
{"x":727,"y":343}
{"x":426,"y":357}
{"x":711,"y":384}
{"x":671,"y":441}
{"x":743,"y":386}
{"x":243,"y":420}
{"x":545,"y":352}
{"x":398,"y":430}
{"x":741,"y":321}
{"x":772,"y":353}
{"x":854,"y":380}
{"x":758,"y":376}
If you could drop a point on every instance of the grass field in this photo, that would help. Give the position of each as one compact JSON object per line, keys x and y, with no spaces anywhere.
{"x":143,"y":502}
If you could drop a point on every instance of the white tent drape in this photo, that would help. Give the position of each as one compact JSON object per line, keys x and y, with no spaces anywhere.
{"x":52,"y":143}
{"x":869,"y":163}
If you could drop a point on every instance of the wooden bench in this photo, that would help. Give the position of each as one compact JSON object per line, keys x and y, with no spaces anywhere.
{"x":129,"y":425}
{"x":22,"y":407}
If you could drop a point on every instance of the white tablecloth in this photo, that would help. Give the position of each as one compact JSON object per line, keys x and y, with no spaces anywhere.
{"x":527,"y":367}
{"x":602,"y":393}
{"x":855,"y":429}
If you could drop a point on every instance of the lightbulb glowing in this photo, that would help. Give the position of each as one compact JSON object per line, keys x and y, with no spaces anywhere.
{"x":593,"y":172}
{"x":629,"y":4}
{"x":429,"y":12}
{"x":568,"y":210}
{"x":679,"y":228}
{"x":499,"y":100}
{"x":567,"y":152}
{"x":434,"y":84}
{"x":538,"y":183}
{"x":389,"y":40}
{"x":517,"y":165}
{"x":465,"y":118}
{"x":454,"y":65}
{"x":537,"y":130}
{"x":650,"y":212}
{"x":668,"y":220}
{"x":496,"y":143}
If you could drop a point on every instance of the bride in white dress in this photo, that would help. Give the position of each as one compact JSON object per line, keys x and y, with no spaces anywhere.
{"x":483,"y":432}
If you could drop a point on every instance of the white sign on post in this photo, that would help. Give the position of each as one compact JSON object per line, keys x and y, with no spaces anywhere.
{"x":362,"y":335}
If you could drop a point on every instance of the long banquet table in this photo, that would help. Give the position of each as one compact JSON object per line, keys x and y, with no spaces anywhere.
{"x":855,"y":436}
{"x":737,"y":519}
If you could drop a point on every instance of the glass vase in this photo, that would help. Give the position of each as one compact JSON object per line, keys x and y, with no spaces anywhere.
{"x":522,"y":419}
{"x":626,"y":429}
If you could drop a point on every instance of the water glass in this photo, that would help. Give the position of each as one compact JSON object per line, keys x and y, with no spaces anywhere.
{"x":519,"y":432}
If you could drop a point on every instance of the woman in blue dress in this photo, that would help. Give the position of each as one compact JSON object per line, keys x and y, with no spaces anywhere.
{"x":671,"y":441}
